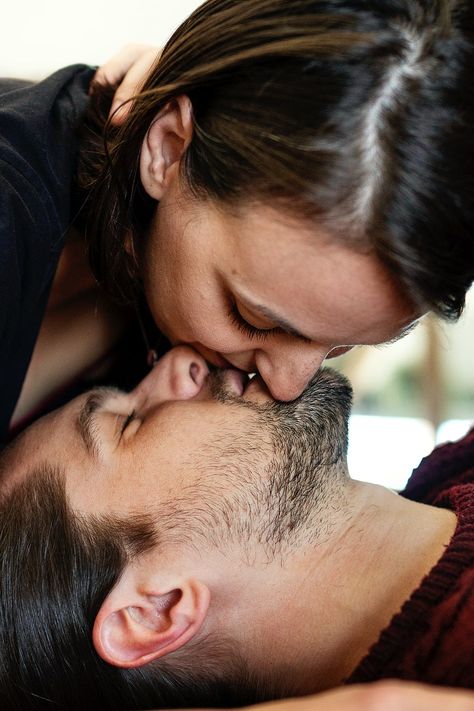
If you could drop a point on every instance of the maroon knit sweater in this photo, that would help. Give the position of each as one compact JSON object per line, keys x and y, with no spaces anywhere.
{"x":431,"y":639}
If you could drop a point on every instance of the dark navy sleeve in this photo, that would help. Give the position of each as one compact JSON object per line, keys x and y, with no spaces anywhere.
{"x":38,"y":147}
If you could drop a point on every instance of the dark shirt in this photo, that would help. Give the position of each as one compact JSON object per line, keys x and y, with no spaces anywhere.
{"x":431,"y":639}
{"x":37,"y":162}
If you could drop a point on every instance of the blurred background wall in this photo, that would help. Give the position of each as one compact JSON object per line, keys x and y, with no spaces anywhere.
{"x":39,"y":36}
{"x":408,"y":395}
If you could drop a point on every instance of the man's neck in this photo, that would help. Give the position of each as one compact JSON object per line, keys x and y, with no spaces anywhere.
{"x":345,"y":591}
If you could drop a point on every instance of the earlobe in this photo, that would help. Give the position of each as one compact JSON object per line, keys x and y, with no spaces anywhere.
{"x":134,"y":628}
{"x":165,"y":143}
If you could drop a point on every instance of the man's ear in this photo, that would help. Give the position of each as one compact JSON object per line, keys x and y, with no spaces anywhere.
{"x":165,"y":143}
{"x":137,"y":624}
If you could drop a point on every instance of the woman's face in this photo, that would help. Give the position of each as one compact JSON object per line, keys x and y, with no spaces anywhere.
{"x":261,"y":292}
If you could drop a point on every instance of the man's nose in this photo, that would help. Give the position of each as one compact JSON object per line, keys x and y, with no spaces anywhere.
{"x":179,"y":375}
{"x":287,"y":371}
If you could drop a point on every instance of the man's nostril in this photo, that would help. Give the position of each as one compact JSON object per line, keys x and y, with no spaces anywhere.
{"x":194,"y":371}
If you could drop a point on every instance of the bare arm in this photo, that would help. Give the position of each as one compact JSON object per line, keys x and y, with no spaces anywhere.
{"x":389,"y":695}
{"x":381,"y":696}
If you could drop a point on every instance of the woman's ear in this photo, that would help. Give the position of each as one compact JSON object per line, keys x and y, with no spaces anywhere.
{"x":135,"y":626}
{"x":165,"y":143}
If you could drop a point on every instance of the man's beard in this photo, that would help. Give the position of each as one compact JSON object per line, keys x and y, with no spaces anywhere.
{"x":279,"y":484}
{"x":303,"y":484}
{"x":310,"y":437}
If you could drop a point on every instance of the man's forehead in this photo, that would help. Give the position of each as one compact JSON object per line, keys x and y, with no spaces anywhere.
{"x":32,"y":447}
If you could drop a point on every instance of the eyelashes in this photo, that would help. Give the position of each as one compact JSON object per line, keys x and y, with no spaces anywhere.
{"x":128,"y":420}
{"x":246,"y":328}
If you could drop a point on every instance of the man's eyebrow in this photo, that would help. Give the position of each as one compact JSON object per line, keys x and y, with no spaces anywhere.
{"x":279,"y":321}
{"x":85,"y":419}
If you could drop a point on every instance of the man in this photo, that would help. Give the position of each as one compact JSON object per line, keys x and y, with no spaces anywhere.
{"x":194,"y":542}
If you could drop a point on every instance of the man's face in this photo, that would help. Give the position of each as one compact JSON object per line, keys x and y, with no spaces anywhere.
{"x":192,"y":441}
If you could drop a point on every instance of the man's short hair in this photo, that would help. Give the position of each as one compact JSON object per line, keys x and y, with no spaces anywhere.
{"x":56,"y":569}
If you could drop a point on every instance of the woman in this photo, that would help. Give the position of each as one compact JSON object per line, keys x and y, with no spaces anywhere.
{"x":292,"y":180}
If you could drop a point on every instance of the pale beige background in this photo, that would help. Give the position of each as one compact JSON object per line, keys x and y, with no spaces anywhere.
{"x":39,"y":36}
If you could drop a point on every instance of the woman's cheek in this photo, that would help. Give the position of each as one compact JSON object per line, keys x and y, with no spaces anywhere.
{"x":216,"y":332}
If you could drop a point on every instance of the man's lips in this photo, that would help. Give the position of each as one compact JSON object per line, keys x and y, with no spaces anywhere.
{"x":238,"y":383}
{"x":235,"y":381}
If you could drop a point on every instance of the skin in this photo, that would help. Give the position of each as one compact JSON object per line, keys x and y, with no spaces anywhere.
{"x":382,"y":696}
{"x":299,"y":294}
{"x":162,"y":400}
{"x":80,"y":327}
{"x":185,"y":446}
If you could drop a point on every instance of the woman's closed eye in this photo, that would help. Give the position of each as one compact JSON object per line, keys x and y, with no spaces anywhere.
{"x":247,"y":328}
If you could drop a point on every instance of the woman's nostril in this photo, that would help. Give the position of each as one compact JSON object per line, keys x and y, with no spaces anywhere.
{"x":194,"y":372}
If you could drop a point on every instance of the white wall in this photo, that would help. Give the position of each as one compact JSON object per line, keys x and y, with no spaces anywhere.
{"x":39,"y":36}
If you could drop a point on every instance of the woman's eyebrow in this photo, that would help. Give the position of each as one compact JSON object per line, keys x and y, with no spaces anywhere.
{"x":85,"y":419}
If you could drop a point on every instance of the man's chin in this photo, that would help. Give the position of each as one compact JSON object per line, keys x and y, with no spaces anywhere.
{"x":324,"y":405}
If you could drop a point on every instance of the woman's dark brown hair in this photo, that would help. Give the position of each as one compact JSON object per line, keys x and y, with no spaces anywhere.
{"x":357,"y":116}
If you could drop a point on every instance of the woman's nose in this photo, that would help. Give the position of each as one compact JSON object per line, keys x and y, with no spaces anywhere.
{"x":287,"y":374}
{"x":179,"y":375}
